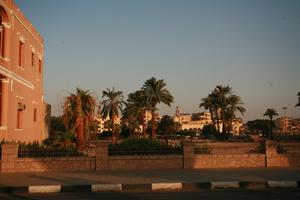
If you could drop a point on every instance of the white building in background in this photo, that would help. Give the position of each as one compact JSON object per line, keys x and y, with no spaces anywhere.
{"x":197,"y":121}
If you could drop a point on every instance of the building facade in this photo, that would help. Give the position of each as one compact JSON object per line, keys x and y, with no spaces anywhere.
{"x":22,"y":107}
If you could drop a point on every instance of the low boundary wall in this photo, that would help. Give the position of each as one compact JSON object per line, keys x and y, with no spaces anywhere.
{"x":102,"y":161}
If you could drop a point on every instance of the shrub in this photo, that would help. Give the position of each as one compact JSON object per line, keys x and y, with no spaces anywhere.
{"x":142,"y":146}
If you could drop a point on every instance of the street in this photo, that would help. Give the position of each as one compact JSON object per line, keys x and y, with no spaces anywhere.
{"x":278,"y":194}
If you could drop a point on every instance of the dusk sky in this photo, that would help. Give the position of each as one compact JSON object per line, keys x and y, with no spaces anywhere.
{"x":251,"y":45}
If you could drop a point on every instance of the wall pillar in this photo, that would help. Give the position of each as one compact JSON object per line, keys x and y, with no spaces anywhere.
{"x":188,"y":154}
{"x":9,"y":155}
{"x":101,"y":155}
{"x":271,"y":152}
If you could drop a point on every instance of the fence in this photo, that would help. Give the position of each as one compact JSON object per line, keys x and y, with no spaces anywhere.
{"x":288,"y":147}
{"x":114,"y":151}
{"x":47,"y":151}
{"x":228,"y":148}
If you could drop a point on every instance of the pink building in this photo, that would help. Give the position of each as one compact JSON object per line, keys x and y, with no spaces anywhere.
{"x":22,"y":106}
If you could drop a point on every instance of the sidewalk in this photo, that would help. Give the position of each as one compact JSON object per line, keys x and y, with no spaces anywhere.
{"x":144,"y":177}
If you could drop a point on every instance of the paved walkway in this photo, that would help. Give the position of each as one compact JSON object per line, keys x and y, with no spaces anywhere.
{"x":149,"y":176}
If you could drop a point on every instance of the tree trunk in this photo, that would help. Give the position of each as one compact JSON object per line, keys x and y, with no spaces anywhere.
{"x":223,"y":122}
{"x":271,"y":128}
{"x":143,"y":124}
{"x":153,"y":124}
{"x":113,"y":137}
{"x":80,"y":133}
{"x":217,"y":119}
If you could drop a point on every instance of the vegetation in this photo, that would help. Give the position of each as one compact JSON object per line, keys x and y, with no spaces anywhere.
{"x":78,"y":109}
{"x":186,"y":133}
{"x":298,"y":104}
{"x":270,"y":112}
{"x":259,"y":126}
{"x":209,"y":131}
{"x":155,"y":92}
{"x":142,"y":146}
{"x":222,"y":105}
{"x":112,"y":107}
{"x":135,"y":110}
{"x":167,"y":126}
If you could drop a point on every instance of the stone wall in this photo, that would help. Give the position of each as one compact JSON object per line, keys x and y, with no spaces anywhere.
{"x":102,"y":161}
{"x":54,"y":164}
{"x":228,"y":161}
{"x":145,"y":162}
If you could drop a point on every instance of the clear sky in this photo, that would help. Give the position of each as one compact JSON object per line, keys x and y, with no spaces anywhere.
{"x":251,"y":45}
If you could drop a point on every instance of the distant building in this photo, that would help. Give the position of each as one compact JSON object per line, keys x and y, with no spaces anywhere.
{"x":287,"y":125}
{"x":22,"y":106}
{"x":197,"y":121}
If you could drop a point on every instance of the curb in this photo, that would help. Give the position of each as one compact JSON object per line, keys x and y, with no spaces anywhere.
{"x":176,"y":186}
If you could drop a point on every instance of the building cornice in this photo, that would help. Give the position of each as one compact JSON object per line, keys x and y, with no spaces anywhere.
{"x":10,"y":74}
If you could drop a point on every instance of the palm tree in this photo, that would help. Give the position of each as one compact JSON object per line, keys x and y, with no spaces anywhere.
{"x":222,"y":94}
{"x":112,"y":107}
{"x":78,"y":110}
{"x":270,"y":112}
{"x":155,"y":93}
{"x":207,"y":104}
{"x":136,"y":108}
{"x":234,"y":103}
{"x":298,"y":104}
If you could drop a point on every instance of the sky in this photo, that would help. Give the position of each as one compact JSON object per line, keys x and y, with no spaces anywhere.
{"x":194,"y":45}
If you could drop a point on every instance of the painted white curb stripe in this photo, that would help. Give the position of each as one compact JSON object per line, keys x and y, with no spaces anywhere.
{"x":282,"y":184}
{"x":106,"y":187}
{"x":229,"y":184}
{"x":44,"y":189}
{"x":166,"y":186}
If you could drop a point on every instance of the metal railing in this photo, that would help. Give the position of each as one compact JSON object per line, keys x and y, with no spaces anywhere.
{"x":290,"y":148}
{"x":47,"y":151}
{"x":118,"y":151}
{"x":228,"y":148}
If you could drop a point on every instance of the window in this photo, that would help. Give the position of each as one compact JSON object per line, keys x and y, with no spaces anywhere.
{"x":21,"y":107}
{"x":40,"y":66}
{"x":21,"y":53}
{"x":34,"y":114}
{"x":19,"y":118}
{"x":32,"y":59}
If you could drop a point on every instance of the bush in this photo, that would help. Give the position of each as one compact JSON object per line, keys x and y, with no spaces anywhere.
{"x":187,"y":133}
{"x":209,"y":130}
{"x":142,"y":146}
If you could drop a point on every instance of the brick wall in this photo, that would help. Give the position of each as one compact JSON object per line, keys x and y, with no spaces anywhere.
{"x":54,"y":164}
{"x":145,"y":162}
{"x":189,"y":160}
{"x":228,"y":161}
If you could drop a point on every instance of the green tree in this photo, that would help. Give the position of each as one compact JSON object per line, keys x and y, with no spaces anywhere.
{"x":298,"y":104}
{"x":167,"y":126}
{"x":270,"y":112}
{"x":57,"y":125}
{"x":222,"y":105}
{"x":78,"y":110}
{"x":112,"y":106}
{"x":155,"y":92}
{"x":135,"y":109}
{"x":209,"y":130}
{"x":259,"y":126}
{"x":234,"y":104}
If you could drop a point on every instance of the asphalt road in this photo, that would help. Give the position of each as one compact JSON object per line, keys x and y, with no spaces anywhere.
{"x":207,"y":195}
